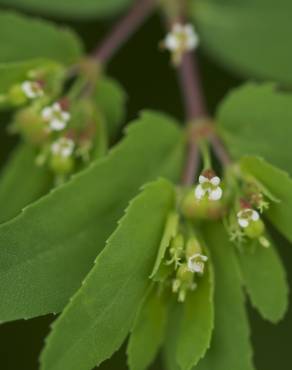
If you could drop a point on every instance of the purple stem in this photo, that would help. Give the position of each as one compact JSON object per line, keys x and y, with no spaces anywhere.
{"x":123,"y":30}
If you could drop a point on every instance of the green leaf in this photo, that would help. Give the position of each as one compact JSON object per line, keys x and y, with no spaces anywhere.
{"x":148,"y":332}
{"x":279,"y":184}
{"x":24,"y":38}
{"x":231,"y":33}
{"x":170,"y":230}
{"x":21,"y":182}
{"x":255,"y":120}
{"x":197,"y":322}
{"x":70,"y":8}
{"x":265,"y":280}
{"x":171,"y":337}
{"x":230,"y":346}
{"x":100,"y":315}
{"x":15,"y":73}
{"x":111,"y":99}
{"x":47,"y":250}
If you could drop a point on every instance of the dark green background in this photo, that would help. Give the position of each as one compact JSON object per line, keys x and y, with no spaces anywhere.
{"x":150,"y":82}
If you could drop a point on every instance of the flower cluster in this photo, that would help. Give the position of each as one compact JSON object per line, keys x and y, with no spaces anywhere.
{"x":183,"y":265}
{"x":250,"y":223}
{"x":56,"y":116}
{"x":60,"y":128}
{"x":240,"y":209}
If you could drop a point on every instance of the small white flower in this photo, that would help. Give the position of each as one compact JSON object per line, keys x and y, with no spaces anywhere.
{"x":245,"y":216}
{"x":63,"y":147}
{"x":56,"y":117}
{"x":196,"y":263}
{"x":208,"y":185}
{"x":181,"y":38}
{"x":32,"y":89}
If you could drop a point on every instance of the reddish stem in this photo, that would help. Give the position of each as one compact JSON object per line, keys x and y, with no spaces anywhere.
{"x":195,"y":108}
{"x":123,"y":30}
{"x":191,"y":87}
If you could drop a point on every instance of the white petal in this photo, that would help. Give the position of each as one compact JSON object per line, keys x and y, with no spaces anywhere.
{"x":196,"y":266}
{"x":66,"y":152}
{"x":196,"y":262}
{"x":215,"y":194}
{"x":215,"y":180}
{"x":47,"y":113}
{"x":203,"y":258}
{"x":192,"y":42}
{"x":57,"y":125}
{"x":203,"y":179}
{"x":56,"y":107}
{"x":171,"y":42}
{"x":255,"y":216}
{"x":55,"y":147}
{"x":243,"y":222}
{"x":199,"y":192}
{"x":28,"y":90}
{"x":189,"y":29}
{"x":65,"y":116}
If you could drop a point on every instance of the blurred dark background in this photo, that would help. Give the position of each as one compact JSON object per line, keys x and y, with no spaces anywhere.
{"x":150,"y":82}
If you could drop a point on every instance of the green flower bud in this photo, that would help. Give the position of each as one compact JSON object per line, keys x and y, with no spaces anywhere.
{"x":255,"y":229}
{"x":177,"y":242}
{"x":193,"y":247}
{"x":62,"y":165}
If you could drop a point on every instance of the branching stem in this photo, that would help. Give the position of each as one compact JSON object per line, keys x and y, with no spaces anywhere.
{"x":189,"y":78}
{"x":196,"y":110}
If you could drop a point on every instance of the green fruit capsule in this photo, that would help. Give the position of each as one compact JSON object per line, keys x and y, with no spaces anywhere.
{"x":255,"y":229}
{"x":62,"y":165}
{"x":203,"y":209}
{"x":30,"y":125}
